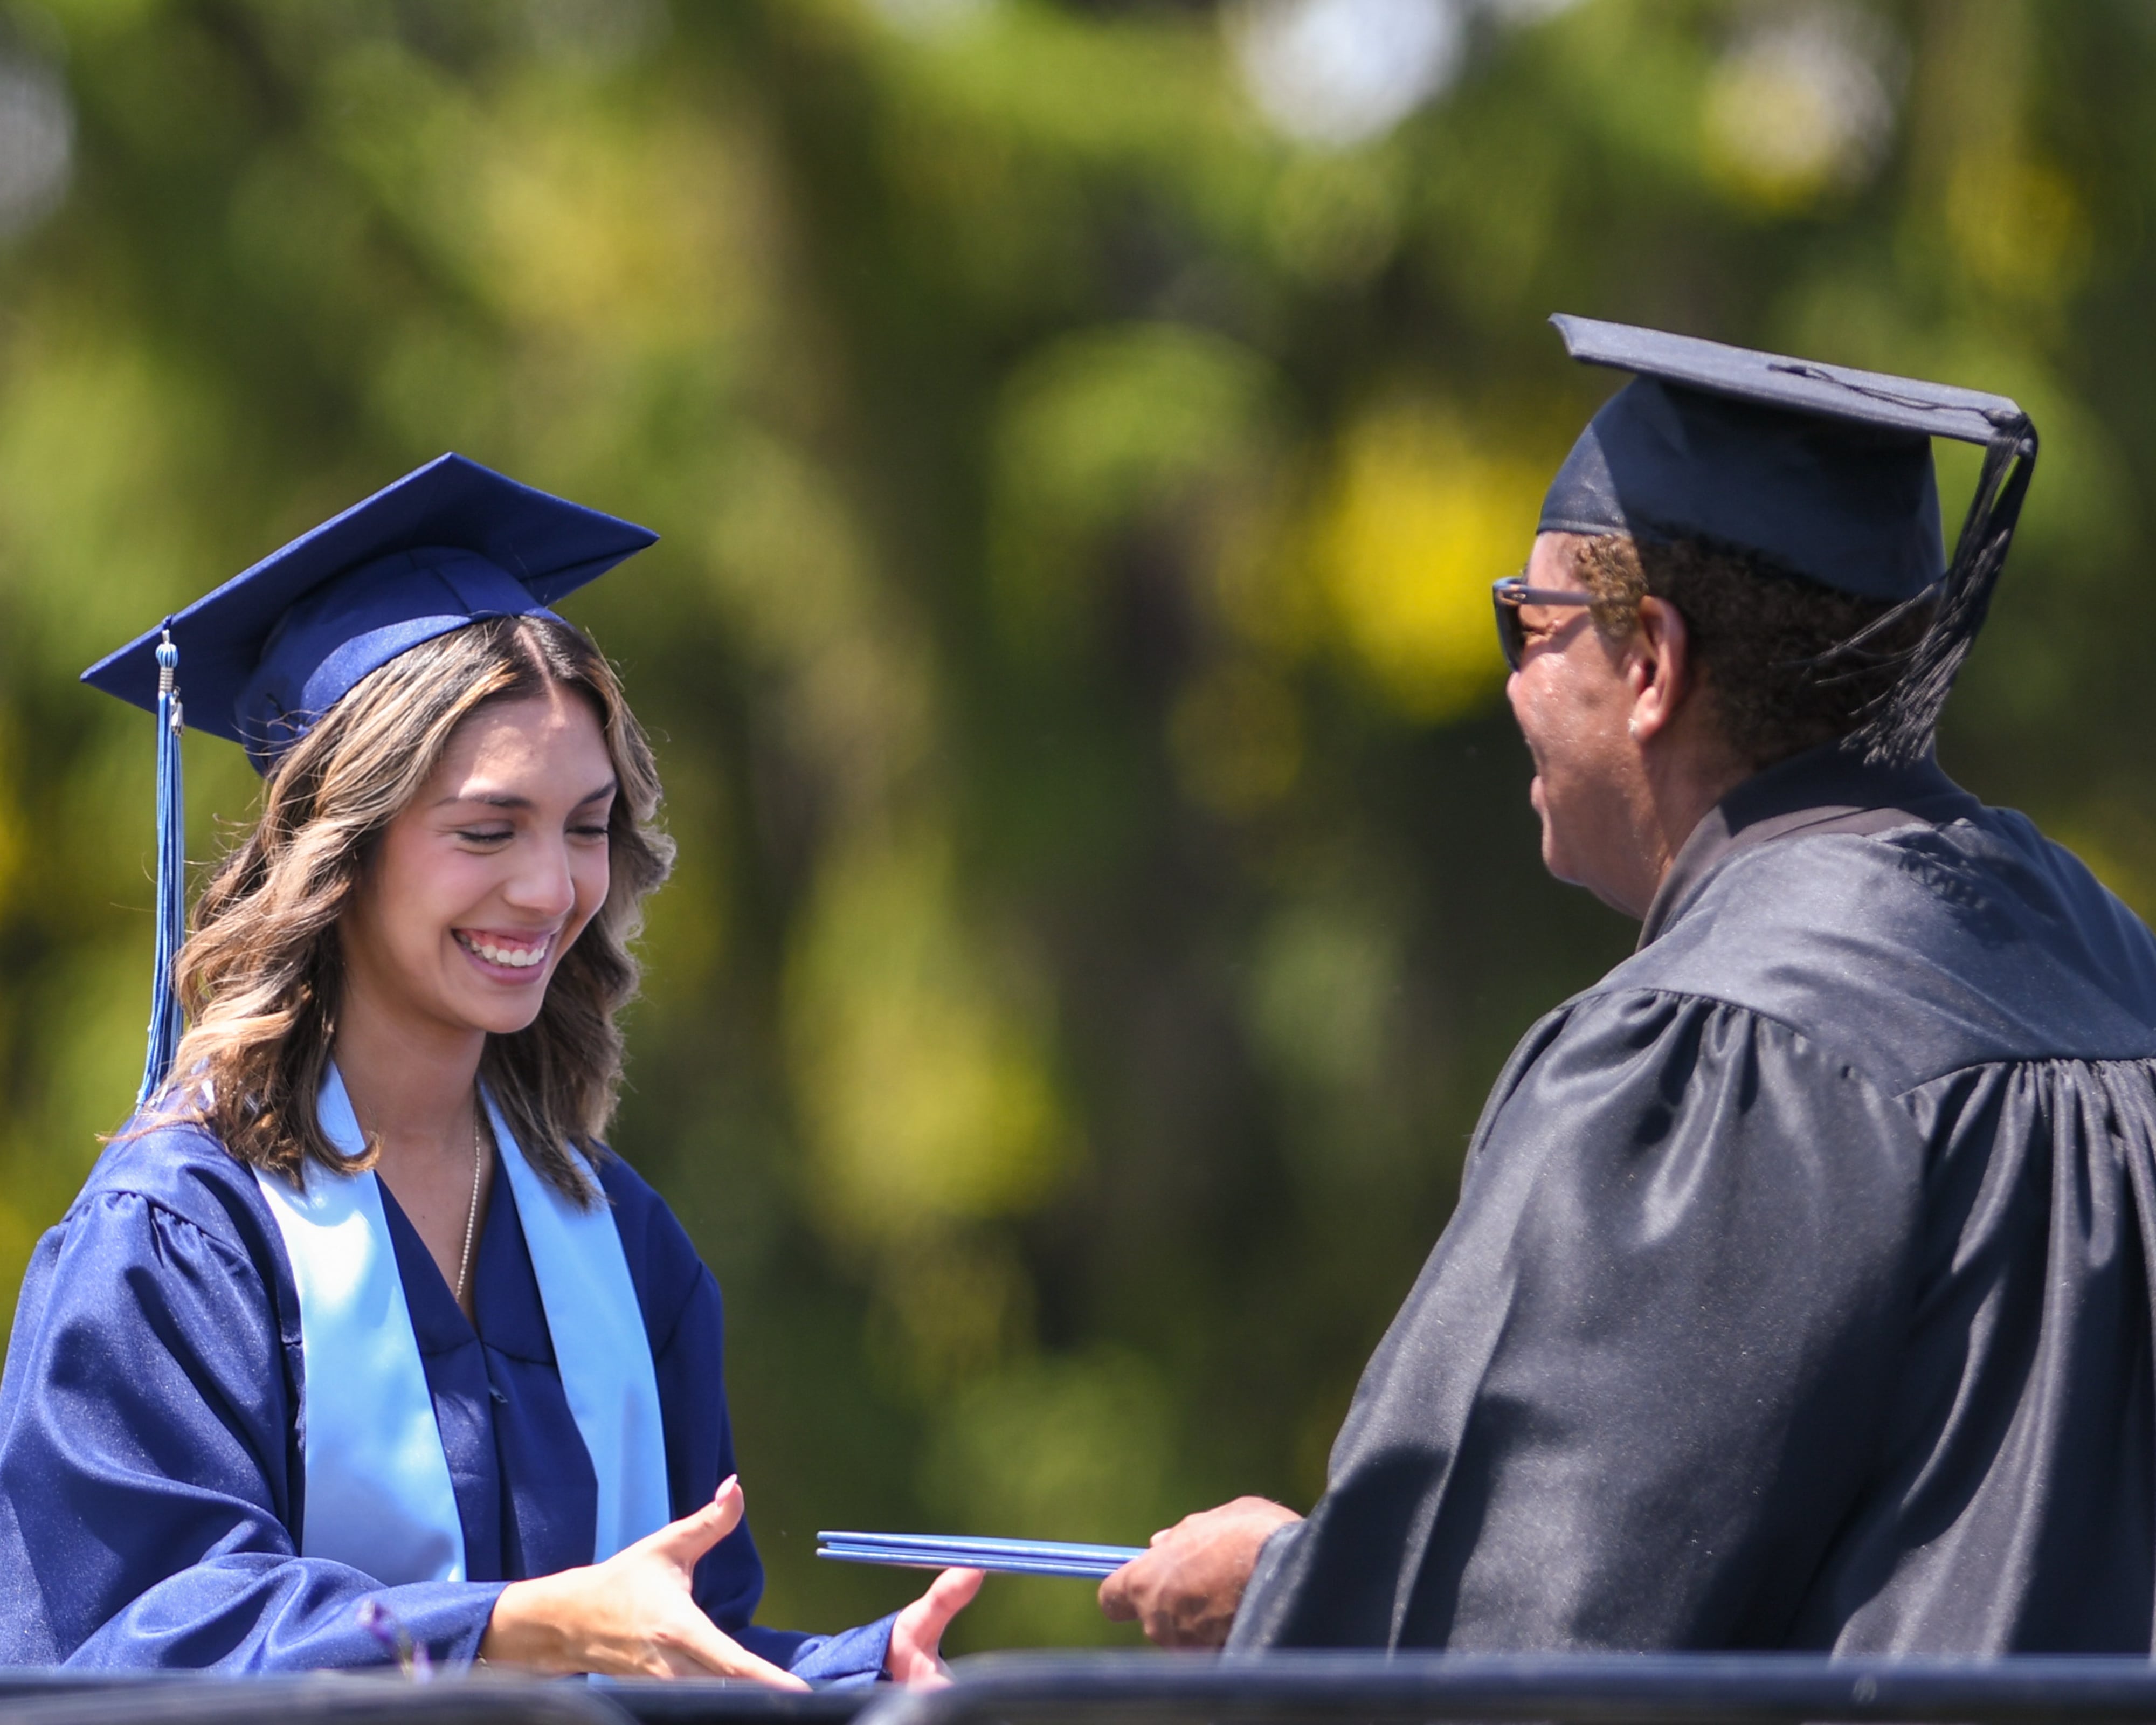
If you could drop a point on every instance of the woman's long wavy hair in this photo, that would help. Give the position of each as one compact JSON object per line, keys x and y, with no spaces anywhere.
{"x":261,"y":975}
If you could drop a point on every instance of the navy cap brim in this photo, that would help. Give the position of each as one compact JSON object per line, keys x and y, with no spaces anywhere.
{"x":1802,"y":385}
{"x":549,"y":545}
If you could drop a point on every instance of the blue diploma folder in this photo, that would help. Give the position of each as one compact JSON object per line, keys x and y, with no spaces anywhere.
{"x":1011,"y":1557}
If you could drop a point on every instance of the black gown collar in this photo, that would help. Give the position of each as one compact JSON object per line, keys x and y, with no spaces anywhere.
{"x":1822,"y":790}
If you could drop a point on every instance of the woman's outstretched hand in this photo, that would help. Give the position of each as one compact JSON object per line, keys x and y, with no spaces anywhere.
{"x":634,"y":1616}
{"x":917,"y":1638}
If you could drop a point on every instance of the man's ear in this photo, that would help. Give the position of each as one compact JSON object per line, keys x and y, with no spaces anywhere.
{"x":1661,"y":671}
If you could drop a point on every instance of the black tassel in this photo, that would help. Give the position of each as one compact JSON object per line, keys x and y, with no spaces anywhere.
{"x":1903,"y":726}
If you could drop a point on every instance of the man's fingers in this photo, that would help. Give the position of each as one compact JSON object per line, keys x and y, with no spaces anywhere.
{"x":1116,"y":1596}
{"x":1185,"y":1591}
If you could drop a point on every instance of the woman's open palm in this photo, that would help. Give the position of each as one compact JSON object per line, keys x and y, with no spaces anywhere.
{"x":633,"y":1616}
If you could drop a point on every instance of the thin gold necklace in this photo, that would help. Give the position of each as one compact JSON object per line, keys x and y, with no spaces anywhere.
{"x":471,"y":1215}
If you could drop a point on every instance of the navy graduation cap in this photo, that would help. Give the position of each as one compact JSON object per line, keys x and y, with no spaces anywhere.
{"x":1825,"y":470}
{"x":275,"y":648}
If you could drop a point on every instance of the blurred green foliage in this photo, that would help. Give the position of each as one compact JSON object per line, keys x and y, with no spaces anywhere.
{"x":1107,"y":884}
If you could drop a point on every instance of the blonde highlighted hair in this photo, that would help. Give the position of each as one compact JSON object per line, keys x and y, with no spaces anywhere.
{"x":261,"y":973}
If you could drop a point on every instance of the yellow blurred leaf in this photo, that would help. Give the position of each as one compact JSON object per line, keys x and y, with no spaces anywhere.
{"x":1419,"y":520}
{"x":2017,"y":225}
{"x":924,"y":1091}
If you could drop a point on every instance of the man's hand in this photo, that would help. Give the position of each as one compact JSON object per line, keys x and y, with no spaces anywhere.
{"x":917,"y":1638}
{"x":633,"y":1616}
{"x":1184,"y":1591}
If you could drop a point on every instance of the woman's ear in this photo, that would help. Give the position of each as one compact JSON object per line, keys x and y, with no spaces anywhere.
{"x":1661,"y":674}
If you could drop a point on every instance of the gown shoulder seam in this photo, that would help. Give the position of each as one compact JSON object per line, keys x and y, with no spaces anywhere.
{"x":1946,"y":1075}
{"x":1853,"y":1063}
{"x":164,"y":1209}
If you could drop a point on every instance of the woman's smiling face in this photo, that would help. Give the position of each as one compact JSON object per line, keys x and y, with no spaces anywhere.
{"x":478,"y":886}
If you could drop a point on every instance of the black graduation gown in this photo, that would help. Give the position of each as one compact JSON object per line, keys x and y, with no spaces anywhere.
{"x":1798,"y":1292}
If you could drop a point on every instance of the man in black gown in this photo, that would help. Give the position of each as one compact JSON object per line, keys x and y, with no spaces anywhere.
{"x":1799,"y":1293}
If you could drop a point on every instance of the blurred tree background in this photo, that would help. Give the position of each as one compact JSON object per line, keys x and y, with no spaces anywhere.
{"x":1083,"y":434}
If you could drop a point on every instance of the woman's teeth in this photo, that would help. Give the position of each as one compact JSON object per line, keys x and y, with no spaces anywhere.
{"x":514,"y":957}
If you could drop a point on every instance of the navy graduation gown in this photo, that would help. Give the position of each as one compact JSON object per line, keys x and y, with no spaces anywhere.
{"x":151,"y":1492}
{"x":1799,"y":1293}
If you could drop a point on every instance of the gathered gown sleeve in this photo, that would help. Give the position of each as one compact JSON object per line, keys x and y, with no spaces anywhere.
{"x":149,"y":1465}
{"x":1680,"y":1266}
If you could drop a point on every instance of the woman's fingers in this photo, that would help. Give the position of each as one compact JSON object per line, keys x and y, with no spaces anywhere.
{"x":688,"y":1643}
{"x":701,"y":1649}
{"x":634,"y":1615}
{"x":948,"y":1594}
{"x":686,"y":1540}
{"x":917,"y":1638}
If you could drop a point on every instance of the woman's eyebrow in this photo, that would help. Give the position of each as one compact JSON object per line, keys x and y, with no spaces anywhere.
{"x":510,"y":799}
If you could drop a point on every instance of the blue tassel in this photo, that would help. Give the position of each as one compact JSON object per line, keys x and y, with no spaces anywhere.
{"x":171,"y":876}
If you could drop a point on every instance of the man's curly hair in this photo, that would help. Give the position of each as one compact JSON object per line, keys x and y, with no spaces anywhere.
{"x":1788,"y":662}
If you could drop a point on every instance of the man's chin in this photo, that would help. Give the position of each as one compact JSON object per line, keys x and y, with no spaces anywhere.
{"x":1573,"y":874}
{"x":1570,"y":869}
{"x":1553,"y":857}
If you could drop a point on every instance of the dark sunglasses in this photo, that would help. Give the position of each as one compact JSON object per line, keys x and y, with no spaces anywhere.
{"x":1507,"y":595}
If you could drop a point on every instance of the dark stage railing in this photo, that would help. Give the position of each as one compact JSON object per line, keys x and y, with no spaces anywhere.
{"x":49,"y":1697}
{"x":1580,"y":1689}
{"x":1156,"y":1689}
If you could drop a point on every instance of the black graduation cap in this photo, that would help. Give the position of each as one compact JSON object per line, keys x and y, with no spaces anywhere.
{"x":1825,"y":470}
{"x":266,"y":655}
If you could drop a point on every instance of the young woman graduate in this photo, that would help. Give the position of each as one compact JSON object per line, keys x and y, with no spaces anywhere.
{"x":356,"y":1334}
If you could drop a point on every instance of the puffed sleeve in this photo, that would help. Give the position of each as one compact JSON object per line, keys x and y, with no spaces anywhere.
{"x":1641,"y":1378}
{"x":147,"y":1466}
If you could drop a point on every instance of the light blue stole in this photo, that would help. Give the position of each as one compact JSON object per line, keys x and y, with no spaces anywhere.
{"x":378,"y":1495}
